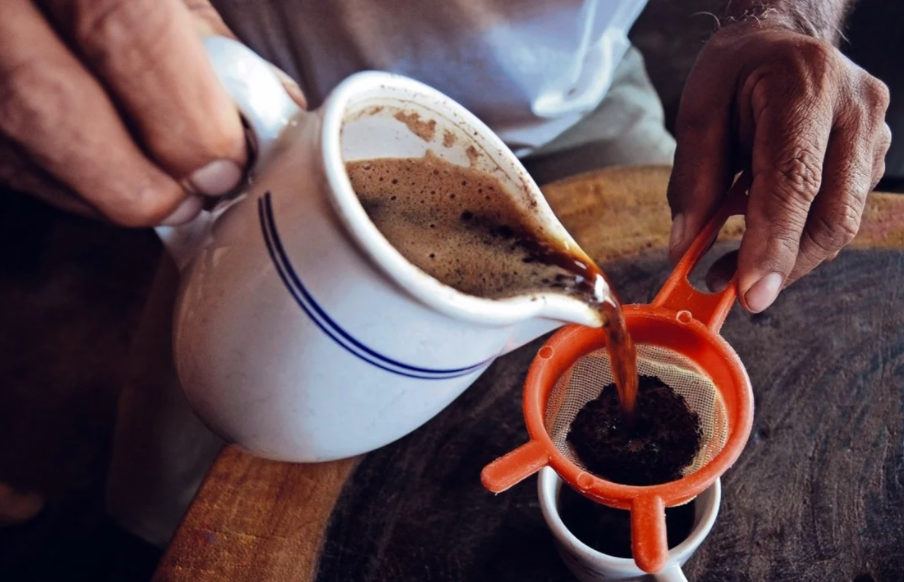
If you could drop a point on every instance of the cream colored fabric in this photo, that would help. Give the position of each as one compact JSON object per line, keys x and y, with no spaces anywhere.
{"x":528,"y":68}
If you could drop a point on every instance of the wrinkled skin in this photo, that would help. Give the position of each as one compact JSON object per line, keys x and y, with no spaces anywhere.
{"x":110,"y":108}
{"x":806,"y":122}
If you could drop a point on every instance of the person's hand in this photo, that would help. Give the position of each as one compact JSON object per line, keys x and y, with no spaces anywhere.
{"x":806,"y":122}
{"x":110,"y":108}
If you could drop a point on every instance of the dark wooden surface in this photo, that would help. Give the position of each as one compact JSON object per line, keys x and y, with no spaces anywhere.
{"x":818,"y":493}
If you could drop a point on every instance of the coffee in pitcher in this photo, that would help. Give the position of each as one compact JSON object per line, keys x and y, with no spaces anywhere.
{"x":459,"y":226}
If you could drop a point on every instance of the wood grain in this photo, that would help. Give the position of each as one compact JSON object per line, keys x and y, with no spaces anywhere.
{"x":255,"y":520}
{"x":621,"y":212}
{"x":818,"y":494}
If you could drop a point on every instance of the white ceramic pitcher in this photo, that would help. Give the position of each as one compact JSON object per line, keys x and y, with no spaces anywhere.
{"x":300,"y":333}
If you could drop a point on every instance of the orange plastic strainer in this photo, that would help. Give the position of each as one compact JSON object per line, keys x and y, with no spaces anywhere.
{"x":677,"y":339}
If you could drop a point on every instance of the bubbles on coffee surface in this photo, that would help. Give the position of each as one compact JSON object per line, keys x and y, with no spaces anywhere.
{"x":460,"y":226}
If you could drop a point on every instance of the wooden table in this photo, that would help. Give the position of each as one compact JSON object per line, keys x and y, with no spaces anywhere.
{"x":818,"y":493}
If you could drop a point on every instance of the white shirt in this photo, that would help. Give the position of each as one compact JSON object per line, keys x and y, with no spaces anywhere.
{"x":528,"y":68}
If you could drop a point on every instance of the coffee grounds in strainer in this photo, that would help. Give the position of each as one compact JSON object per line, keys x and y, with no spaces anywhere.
{"x":662,"y":440}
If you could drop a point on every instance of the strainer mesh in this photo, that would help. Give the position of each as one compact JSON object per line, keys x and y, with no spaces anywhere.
{"x":588,"y":376}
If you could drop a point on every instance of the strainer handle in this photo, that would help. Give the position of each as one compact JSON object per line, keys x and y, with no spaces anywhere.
{"x":678,"y":294}
{"x":516,"y":466}
{"x":649,"y":541}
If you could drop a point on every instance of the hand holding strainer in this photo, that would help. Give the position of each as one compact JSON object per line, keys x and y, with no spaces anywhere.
{"x":677,"y":340}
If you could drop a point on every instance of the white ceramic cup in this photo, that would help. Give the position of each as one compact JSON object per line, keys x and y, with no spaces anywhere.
{"x":589,"y":565}
{"x":300,"y":332}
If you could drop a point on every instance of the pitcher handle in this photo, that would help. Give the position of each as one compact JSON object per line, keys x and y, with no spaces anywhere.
{"x":257,"y":91}
{"x":266,"y":109}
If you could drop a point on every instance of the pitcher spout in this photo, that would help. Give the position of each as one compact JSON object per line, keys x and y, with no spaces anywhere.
{"x":555,"y":311}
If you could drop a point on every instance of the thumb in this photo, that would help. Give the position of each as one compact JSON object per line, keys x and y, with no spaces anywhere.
{"x":210,"y":23}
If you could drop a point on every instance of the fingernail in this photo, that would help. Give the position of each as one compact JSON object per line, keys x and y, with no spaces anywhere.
{"x":295,"y":94}
{"x":217,"y":177}
{"x":183,"y":213}
{"x":763,"y":293}
{"x":677,"y":234}
{"x":291,"y":87}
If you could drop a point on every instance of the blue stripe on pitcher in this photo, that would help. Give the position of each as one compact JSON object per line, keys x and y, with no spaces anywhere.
{"x":307,"y":303}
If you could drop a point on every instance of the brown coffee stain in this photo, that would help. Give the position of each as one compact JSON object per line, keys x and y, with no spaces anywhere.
{"x":473,"y":155}
{"x":448,"y":139}
{"x":425,"y":130}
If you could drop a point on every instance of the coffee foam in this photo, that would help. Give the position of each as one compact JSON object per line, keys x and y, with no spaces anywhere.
{"x":460,"y":226}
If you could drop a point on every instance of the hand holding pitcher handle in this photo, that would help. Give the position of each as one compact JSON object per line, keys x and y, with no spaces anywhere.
{"x":266,"y":108}
{"x":257,"y":91}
